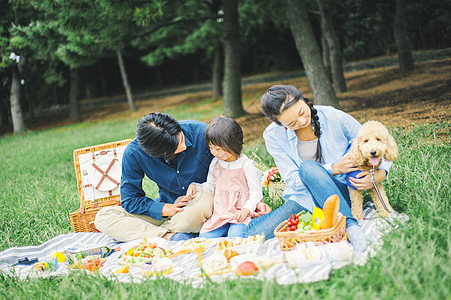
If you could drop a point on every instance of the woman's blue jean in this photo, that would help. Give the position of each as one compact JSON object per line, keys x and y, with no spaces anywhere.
{"x":321,"y":185}
{"x":229,"y":230}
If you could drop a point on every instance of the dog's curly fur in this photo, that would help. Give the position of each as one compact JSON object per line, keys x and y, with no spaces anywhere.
{"x":373,"y":142}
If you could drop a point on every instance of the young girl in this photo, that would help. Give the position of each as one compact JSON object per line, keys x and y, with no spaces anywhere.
{"x":308,"y":144}
{"x":232,"y":178}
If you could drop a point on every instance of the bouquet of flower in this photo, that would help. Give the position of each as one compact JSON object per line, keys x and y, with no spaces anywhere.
{"x":271,"y":175}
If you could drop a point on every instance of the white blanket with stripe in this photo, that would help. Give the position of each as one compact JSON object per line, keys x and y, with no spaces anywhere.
{"x":185,"y":266}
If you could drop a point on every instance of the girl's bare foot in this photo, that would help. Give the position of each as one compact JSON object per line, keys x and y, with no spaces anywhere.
{"x":168,"y":235}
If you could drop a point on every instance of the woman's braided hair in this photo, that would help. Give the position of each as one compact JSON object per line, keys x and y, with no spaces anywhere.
{"x":316,"y":128}
{"x":275,"y":100}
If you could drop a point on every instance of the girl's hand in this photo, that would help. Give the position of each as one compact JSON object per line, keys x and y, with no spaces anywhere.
{"x":191,"y":190}
{"x":345,"y":165}
{"x":242,"y":214}
{"x":261,"y":209}
{"x":363,"y":179}
{"x":171,"y":209}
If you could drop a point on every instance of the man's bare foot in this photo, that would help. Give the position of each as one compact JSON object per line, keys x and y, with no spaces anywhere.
{"x":168,"y":235}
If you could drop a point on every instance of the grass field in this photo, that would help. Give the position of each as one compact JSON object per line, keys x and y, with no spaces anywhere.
{"x":38,"y":191}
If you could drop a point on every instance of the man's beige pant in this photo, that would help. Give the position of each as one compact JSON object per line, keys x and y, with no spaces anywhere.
{"x":123,"y":226}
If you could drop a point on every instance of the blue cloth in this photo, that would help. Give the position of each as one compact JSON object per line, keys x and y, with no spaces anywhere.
{"x":338,"y":129}
{"x":183,"y":236}
{"x":228,"y":230}
{"x":172,"y":181}
{"x":352,"y":174}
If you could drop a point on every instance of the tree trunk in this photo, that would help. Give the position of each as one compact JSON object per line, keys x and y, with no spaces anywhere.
{"x":336,"y":65}
{"x":308,"y":49}
{"x":217,"y":71}
{"x":16,"y":108}
{"x":401,"y":31}
{"x":233,"y":106}
{"x":127,"y":88}
{"x":325,"y":51}
{"x":74,"y":109}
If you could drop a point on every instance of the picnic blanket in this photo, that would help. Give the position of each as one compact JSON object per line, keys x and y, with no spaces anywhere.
{"x":185,"y":267}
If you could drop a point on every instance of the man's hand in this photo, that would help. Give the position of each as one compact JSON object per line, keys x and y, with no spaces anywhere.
{"x":261,"y":209}
{"x":171,"y":209}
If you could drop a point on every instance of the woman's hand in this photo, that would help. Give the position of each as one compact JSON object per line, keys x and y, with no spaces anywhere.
{"x":261,"y":209}
{"x":363,"y":179}
{"x":345,"y":165}
{"x":242,"y":214}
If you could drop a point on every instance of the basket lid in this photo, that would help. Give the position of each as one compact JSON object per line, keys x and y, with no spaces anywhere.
{"x":98,"y":170}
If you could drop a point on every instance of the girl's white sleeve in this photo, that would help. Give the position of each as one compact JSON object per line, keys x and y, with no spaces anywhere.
{"x":208,"y":186}
{"x":253,"y":177}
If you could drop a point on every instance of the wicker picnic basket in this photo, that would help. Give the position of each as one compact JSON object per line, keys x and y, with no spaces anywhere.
{"x":98,"y":170}
{"x":288,"y":239}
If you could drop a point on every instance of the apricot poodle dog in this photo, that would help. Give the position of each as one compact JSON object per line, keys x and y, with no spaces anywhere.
{"x":373,"y":142}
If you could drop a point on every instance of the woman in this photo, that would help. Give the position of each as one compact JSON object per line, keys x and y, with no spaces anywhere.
{"x":308,"y":144}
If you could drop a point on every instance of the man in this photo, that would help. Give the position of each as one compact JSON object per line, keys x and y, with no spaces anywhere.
{"x":173,"y":155}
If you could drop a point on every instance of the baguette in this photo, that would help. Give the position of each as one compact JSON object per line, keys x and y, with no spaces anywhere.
{"x":330,"y":210}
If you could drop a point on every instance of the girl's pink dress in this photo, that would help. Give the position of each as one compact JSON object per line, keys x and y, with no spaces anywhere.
{"x":231,"y":193}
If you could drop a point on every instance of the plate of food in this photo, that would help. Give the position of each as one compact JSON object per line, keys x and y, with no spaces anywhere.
{"x":193,"y":244}
{"x":242,"y":245}
{"x":145,"y":252}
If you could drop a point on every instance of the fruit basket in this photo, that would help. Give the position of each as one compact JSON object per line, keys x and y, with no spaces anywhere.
{"x":288,"y":239}
{"x":98,"y":171}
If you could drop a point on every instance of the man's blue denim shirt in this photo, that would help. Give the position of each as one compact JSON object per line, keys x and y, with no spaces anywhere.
{"x":192,"y":166}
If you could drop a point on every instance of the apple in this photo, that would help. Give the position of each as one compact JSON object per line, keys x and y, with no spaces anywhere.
{"x":246,"y":268}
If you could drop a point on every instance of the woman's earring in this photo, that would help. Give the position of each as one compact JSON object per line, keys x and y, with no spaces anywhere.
{"x":313,"y":126}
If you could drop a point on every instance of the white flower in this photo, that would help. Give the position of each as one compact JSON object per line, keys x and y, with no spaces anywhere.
{"x":14,"y":57}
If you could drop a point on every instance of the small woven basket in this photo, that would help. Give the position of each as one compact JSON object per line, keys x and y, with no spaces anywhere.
{"x":288,"y":239}
{"x":275,"y":189}
{"x":82,"y":220}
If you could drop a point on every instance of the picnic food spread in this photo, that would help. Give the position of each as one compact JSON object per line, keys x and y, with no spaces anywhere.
{"x":306,"y":261}
{"x":298,"y":238}
{"x":230,"y":256}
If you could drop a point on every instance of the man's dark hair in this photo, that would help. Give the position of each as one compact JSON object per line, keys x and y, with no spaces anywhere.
{"x":158,"y":135}
{"x":226,"y":133}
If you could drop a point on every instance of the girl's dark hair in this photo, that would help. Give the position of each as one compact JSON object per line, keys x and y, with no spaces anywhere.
{"x":226,"y":133}
{"x":281,"y":97}
{"x":158,"y":135}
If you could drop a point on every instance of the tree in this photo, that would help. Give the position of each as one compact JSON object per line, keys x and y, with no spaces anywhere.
{"x":15,"y":97}
{"x":233,"y":106}
{"x":333,"y":46}
{"x":128,"y":91}
{"x":401,"y":31}
{"x":308,"y":49}
{"x":13,"y":52}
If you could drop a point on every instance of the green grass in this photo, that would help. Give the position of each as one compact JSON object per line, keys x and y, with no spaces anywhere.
{"x":38,"y":191}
